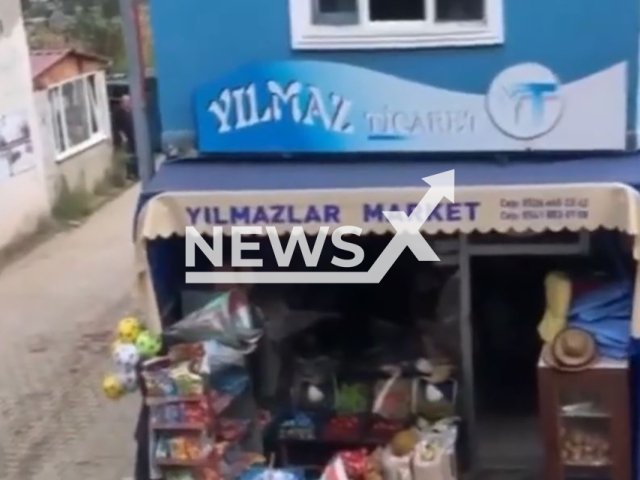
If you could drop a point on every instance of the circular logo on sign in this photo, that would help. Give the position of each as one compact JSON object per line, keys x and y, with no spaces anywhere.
{"x":525,"y":101}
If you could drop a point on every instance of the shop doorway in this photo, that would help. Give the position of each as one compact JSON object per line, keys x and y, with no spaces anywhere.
{"x":508,"y":302}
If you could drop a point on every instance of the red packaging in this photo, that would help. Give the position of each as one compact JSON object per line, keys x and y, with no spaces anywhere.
{"x":355,"y":462}
{"x":195,"y":413}
{"x":383,"y":430}
{"x":343,"y":427}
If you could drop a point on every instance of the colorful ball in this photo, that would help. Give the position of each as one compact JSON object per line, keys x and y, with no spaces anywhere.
{"x":116,"y":345}
{"x":130,"y":381}
{"x":113,"y":387}
{"x":126,"y":356}
{"x":148,"y":344}
{"x":128,"y":330}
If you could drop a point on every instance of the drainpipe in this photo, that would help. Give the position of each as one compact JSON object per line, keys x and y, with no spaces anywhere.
{"x":136,"y":76}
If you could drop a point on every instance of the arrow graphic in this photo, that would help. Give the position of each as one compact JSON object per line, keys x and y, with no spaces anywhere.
{"x":407,"y":235}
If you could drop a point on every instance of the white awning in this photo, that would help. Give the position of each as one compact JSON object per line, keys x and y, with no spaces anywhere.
{"x":583,"y":195}
{"x":503,"y":209}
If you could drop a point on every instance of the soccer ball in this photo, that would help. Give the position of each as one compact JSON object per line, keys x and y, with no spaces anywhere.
{"x":130,"y":382}
{"x":148,"y":344}
{"x":113,"y":387}
{"x":126,"y":356}
{"x":128,"y":330}
{"x":115,"y":345}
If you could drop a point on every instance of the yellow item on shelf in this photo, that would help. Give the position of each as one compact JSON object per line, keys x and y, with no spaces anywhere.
{"x":558,"y":293}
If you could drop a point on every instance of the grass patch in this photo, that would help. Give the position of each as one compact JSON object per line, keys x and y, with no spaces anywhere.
{"x":115,"y":179}
{"x":72,"y":204}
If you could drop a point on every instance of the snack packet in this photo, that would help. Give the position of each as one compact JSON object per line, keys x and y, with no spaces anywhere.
{"x":162,"y":449}
{"x":158,"y":383}
{"x":187,"y":383}
{"x":178,"y":448}
{"x":194,"y":413}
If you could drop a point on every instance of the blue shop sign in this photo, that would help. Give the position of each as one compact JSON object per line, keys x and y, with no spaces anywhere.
{"x":309,"y":106}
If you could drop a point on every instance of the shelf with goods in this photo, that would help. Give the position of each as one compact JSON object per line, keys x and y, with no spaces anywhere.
{"x":193,"y":425}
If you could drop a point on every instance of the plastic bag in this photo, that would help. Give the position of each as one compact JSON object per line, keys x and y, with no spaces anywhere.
{"x":393,"y":397}
{"x":617,"y":309}
{"x":604,"y":295}
{"x":434,"y":459}
{"x":395,"y":468}
{"x":218,"y":355}
{"x":227,"y":318}
{"x":440,"y":439}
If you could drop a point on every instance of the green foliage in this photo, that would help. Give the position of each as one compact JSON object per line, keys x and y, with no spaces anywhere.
{"x":98,"y":34}
{"x":72,"y":204}
{"x":115,"y":178}
{"x":110,"y":8}
{"x":90,"y":25}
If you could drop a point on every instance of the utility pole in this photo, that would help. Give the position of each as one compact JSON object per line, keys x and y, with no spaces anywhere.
{"x":137,"y":81}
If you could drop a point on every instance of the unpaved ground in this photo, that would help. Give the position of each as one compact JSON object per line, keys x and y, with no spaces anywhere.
{"x":58,"y":307}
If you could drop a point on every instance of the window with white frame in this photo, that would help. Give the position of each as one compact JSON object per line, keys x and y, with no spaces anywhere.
{"x":77,"y":114}
{"x":349,"y":24}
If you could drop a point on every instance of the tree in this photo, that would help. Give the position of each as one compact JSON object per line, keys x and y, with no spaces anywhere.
{"x":98,"y":35}
{"x":110,"y":8}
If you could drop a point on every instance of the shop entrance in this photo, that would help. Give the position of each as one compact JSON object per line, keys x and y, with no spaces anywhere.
{"x":508,"y":303}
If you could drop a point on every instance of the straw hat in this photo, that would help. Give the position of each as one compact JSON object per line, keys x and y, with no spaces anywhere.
{"x":573,"y":349}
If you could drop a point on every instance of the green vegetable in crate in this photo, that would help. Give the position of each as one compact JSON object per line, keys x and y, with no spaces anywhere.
{"x":352,"y":399}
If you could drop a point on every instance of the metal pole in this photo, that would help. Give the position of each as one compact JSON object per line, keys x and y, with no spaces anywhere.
{"x":466,"y":344}
{"x":137,"y":79}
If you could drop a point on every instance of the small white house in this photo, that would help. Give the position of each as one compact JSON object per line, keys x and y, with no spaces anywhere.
{"x":73,"y":110}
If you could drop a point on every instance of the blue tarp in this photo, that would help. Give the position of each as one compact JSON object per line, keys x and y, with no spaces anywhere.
{"x":348,"y":171}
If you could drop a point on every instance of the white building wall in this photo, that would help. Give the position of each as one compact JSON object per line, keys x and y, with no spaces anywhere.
{"x":87,"y":167}
{"x":23,"y":197}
